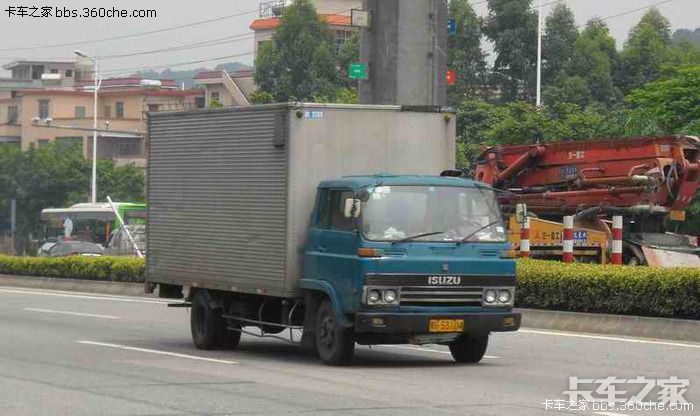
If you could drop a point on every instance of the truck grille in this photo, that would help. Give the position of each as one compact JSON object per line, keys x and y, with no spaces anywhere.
{"x":440,"y":296}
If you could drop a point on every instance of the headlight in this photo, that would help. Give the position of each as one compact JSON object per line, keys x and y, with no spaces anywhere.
{"x":373,"y":296}
{"x":504,"y":296}
{"x":389,"y":296}
{"x":490,"y":296}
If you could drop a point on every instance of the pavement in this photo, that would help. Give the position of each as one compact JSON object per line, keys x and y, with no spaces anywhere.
{"x":71,"y":353}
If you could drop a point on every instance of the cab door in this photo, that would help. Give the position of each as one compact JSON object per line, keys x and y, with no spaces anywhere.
{"x":338,"y":245}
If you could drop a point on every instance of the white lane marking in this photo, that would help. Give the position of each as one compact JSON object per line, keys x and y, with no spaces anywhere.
{"x":608,"y":338}
{"x":149,"y":351}
{"x":422,"y":349}
{"x":84,"y":296}
{"x":89,"y":315}
{"x":609,"y":414}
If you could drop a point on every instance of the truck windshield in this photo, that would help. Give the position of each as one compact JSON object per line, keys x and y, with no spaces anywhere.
{"x":432,"y":213}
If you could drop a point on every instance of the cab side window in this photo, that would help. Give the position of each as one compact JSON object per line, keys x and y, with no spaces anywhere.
{"x":331,"y":210}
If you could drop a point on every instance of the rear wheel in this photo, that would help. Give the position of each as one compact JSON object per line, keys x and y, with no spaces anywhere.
{"x":335,"y":345}
{"x":209,"y":328}
{"x":469,"y":348}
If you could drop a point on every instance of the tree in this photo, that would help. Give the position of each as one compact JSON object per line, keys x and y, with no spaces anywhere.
{"x":348,"y":54}
{"x":558,"y":42}
{"x":687,"y":35}
{"x":512,"y":26}
{"x":646,"y":51}
{"x":569,"y":89}
{"x":674,"y":102}
{"x":57,"y":175}
{"x":300,"y":61}
{"x":593,"y":60}
{"x":465,"y":56}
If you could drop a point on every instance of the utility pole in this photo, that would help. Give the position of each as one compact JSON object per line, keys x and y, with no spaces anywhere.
{"x":405,"y":48}
{"x":539,"y":53}
{"x":13,"y":224}
{"x":97,"y":82}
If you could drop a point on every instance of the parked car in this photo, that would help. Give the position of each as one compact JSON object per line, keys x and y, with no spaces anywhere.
{"x":75,"y":248}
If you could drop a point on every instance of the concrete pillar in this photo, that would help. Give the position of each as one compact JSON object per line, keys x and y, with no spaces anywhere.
{"x":617,"y":240}
{"x":568,"y":240}
{"x":525,"y":239}
{"x":405,"y":49}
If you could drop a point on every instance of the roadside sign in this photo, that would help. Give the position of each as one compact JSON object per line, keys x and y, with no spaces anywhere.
{"x":451,"y":77}
{"x":358,"y":70}
{"x":359,"y":18}
{"x":451,"y":27}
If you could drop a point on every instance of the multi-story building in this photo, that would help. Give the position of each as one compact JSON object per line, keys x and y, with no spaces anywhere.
{"x":38,"y":113}
{"x":336,"y":13}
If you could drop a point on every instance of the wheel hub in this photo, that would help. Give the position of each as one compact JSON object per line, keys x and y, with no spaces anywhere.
{"x":326,"y":332}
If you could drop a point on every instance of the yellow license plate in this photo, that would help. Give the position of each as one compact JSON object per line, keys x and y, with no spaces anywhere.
{"x":446,"y":325}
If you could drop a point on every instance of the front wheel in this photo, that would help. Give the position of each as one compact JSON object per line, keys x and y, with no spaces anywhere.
{"x":469,"y":348}
{"x":335,"y":345}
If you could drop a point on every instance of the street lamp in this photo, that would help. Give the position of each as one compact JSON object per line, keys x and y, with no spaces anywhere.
{"x":97,"y":83}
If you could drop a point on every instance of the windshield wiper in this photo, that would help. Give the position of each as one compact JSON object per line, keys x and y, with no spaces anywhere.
{"x":465,"y":239}
{"x":417,"y":236}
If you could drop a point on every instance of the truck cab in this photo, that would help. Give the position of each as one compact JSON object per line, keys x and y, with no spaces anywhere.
{"x":408,"y":259}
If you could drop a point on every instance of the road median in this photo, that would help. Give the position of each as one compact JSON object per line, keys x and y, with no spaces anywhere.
{"x":73,"y":285}
{"x":594,"y":323}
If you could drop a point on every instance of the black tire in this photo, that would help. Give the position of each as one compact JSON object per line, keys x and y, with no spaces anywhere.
{"x":335,"y":345}
{"x":469,"y":349}
{"x":209,"y":328}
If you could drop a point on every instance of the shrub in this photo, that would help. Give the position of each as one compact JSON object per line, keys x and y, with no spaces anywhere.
{"x":118,"y":269}
{"x":625,"y":290}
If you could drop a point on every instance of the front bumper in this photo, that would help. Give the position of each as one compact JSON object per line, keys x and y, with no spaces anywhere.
{"x":418,"y":323}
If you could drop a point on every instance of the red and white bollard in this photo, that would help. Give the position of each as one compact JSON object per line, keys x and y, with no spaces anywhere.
{"x":617,"y":240}
{"x":525,"y":239}
{"x":568,"y":240}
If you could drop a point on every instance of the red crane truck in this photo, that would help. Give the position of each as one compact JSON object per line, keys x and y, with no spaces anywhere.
{"x":648,"y":180}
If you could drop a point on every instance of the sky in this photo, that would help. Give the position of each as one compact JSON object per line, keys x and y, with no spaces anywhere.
{"x":56,"y":38}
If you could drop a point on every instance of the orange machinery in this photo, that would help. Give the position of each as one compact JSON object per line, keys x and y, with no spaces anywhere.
{"x":648,"y":180}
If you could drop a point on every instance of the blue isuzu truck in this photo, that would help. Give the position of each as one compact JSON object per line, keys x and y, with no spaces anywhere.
{"x":327,"y":226}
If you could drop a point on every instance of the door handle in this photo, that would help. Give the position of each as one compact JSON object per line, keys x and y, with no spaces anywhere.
{"x":322,"y":249}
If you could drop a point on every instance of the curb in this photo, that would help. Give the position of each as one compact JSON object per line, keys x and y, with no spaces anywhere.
{"x":593,"y":323}
{"x":598,"y":323}
{"x":74,"y":285}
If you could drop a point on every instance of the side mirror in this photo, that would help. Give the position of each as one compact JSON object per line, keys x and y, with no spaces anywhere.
{"x":352,"y":208}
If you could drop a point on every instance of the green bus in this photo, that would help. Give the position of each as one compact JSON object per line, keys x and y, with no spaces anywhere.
{"x":90,"y":222}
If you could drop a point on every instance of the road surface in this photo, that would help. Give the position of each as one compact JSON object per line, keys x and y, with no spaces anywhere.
{"x":66,"y":353}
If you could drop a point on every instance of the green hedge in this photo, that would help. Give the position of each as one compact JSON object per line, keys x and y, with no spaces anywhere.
{"x":624,"y":290}
{"x":118,"y":269}
{"x":640,"y":291}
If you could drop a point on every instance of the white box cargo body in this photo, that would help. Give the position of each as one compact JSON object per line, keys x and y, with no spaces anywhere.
{"x":231,"y":191}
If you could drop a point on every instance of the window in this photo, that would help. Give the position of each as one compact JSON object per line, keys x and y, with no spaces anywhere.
{"x":69,"y":73}
{"x":37,"y":70}
{"x":199,"y":102}
{"x":78,"y":75}
{"x":12,"y":114}
{"x":332,"y":210}
{"x":79,"y":112}
{"x":119,"y":108}
{"x":341,"y":38}
{"x":43,"y":109}
{"x":107,"y":111}
{"x":214,"y":96}
{"x":42,"y":142}
{"x":127,"y":149}
{"x":153,"y":107}
{"x":76,"y":141}
{"x":54,"y":71}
